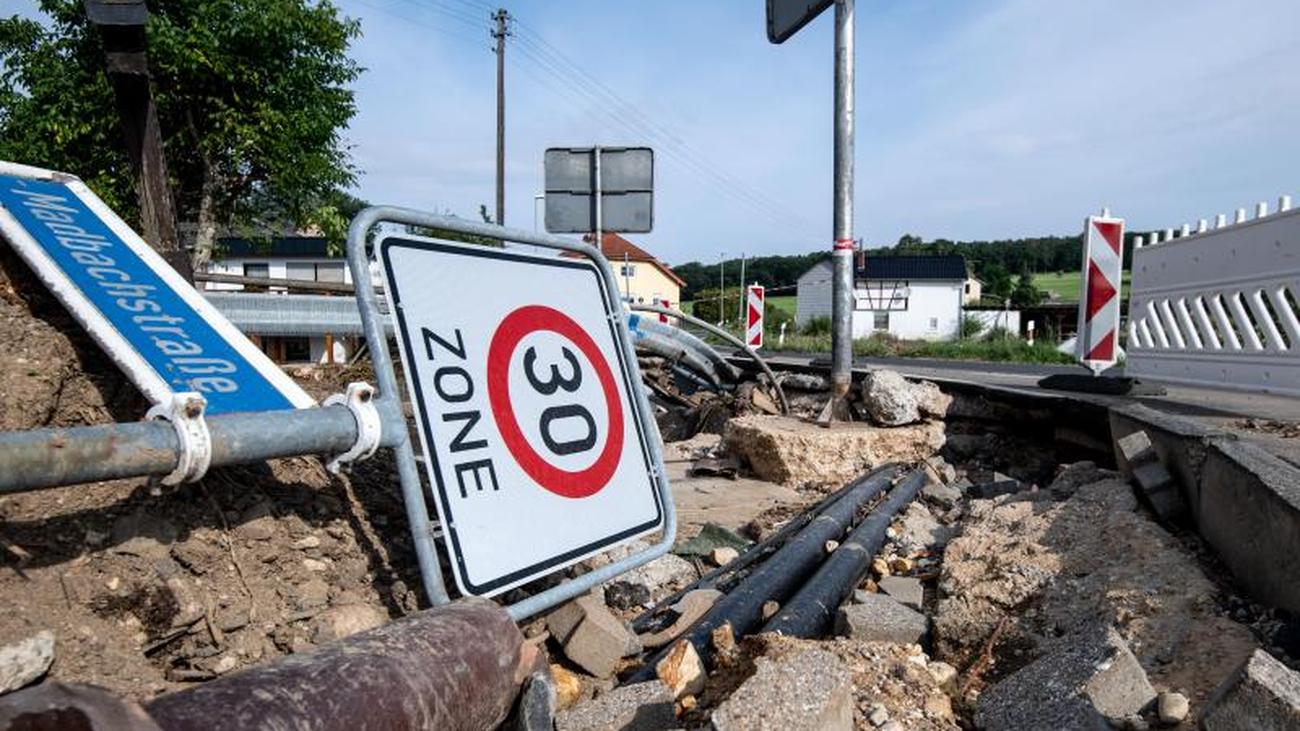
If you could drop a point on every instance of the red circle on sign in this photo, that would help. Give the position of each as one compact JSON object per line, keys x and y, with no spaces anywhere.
{"x":518,"y":324}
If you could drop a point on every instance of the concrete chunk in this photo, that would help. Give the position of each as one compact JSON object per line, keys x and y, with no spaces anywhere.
{"x":591,"y":636}
{"x":23,"y":662}
{"x":638,"y":707}
{"x":809,"y":691}
{"x":889,"y":399}
{"x":795,"y":453}
{"x":881,"y":618}
{"x":1090,"y":680}
{"x":1262,"y":695}
{"x":905,"y":589}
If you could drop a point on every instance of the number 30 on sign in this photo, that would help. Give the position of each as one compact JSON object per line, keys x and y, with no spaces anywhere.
{"x":523,"y":403}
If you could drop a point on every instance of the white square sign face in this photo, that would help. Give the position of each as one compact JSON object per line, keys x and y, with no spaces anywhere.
{"x":521,"y":395}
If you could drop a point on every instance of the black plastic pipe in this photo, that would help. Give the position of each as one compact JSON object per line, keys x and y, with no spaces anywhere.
{"x":781,"y":574}
{"x":810,"y":612}
{"x":728,"y":574}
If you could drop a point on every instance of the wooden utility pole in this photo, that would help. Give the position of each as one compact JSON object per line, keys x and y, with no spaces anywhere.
{"x":502,"y":18}
{"x":121,"y":25}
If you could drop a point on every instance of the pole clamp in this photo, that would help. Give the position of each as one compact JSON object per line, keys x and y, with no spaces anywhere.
{"x":360,"y":400}
{"x":185,"y":412}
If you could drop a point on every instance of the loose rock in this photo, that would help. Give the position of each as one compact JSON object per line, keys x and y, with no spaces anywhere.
{"x":880,"y":618}
{"x":24,"y":662}
{"x":724,"y":555}
{"x":339,"y":622}
{"x":905,"y":589}
{"x":592,"y":637}
{"x":809,"y":691}
{"x":568,"y":687}
{"x":681,"y":670}
{"x":1172,"y":707}
{"x":638,"y":707}
{"x":1262,"y":694}
{"x":889,"y":399}
{"x":1091,"y":677}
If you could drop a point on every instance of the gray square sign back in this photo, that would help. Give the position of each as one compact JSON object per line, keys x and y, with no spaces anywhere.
{"x":627,"y":189}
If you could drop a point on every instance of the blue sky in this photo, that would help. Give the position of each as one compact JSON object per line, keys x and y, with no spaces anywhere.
{"x":975,"y":119}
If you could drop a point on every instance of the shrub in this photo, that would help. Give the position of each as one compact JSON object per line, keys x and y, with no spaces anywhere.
{"x":998,"y":333}
{"x":818,"y":326}
{"x":971,"y":326}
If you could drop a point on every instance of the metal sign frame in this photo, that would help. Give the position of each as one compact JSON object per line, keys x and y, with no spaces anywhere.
{"x":390,"y":406}
{"x":111,"y":339}
{"x":423,"y":389}
{"x":787,"y":17}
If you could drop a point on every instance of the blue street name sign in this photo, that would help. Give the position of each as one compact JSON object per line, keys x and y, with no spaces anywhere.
{"x":157,"y":328}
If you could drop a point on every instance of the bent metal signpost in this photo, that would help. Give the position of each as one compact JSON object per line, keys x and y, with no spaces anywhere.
{"x":533,"y":442}
{"x":161,"y":332}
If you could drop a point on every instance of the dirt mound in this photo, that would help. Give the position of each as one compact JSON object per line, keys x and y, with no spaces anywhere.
{"x":1029,"y":567}
{"x":147,"y":588}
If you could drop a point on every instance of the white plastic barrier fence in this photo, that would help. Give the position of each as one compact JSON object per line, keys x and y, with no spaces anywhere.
{"x":1220,"y":306}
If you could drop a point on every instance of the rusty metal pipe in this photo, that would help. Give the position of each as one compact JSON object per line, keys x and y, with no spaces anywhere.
{"x":453,"y":667}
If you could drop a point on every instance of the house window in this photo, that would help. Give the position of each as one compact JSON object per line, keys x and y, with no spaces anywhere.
{"x":967,"y":286}
{"x":934,"y":323}
{"x":329,"y":272}
{"x":880,"y":321}
{"x":627,"y":270}
{"x":305,"y":272}
{"x":261,"y":269}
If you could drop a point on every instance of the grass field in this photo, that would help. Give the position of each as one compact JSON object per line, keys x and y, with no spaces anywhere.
{"x":1066,"y":284}
{"x":784,"y":302}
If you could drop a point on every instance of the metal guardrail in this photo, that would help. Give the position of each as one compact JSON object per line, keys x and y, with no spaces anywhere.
{"x":298,"y":315}
{"x":1220,"y":307}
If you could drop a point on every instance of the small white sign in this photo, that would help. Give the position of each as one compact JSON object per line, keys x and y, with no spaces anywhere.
{"x":522,"y":398}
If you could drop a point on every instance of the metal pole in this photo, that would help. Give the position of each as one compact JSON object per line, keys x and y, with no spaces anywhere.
{"x":38,"y":458}
{"x":842,"y":250}
{"x":599,"y":243}
{"x":721,"y":288}
{"x":502,"y":30}
{"x":741,"y":308}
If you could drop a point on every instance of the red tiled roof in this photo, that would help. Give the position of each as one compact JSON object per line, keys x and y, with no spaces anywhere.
{"x":616,"y":249}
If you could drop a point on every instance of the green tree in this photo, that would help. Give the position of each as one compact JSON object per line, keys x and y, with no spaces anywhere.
{"x":997,"y":280}
{"x":252,"y":101}
{"x":1025,"y":293}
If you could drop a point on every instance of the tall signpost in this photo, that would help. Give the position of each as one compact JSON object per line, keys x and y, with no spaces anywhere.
{"x":121,"y":25}
{"x":784,"y":19}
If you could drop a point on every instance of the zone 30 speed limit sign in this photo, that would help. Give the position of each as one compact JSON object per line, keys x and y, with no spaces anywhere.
{"x":524,"y":408}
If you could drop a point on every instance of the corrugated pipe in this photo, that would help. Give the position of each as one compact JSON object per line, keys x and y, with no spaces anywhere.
{"x":719,"y":361}
{"x":771,"y":377}
{"x":676,"y":353}
{"x":810,"y":612}
{"x":779,"y":576}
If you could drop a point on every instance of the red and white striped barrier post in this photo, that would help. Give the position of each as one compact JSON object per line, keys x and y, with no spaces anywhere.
{"x":1097,"y":345}
{"x":754,"y":322}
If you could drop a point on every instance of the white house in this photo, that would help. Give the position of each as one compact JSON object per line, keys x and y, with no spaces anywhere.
{"x":909,"y":297}
{"x":286,"y":257}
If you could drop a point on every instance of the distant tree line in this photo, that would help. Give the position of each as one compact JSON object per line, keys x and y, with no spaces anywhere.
{"x":1005,"y":266}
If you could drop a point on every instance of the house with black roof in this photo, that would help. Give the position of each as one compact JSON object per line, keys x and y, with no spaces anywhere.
{"x":908,"y":297}
{"x":300,"y":258}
